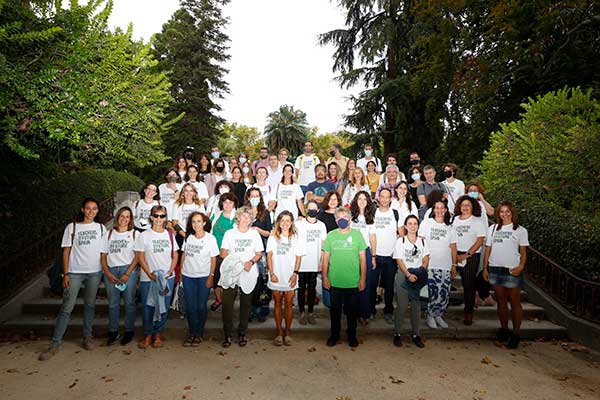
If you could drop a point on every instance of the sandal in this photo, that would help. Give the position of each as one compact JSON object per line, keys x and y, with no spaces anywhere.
{"x":158,"y":343}
{"x":278,"y":341}
{"x":242,"y":340}
{"x":227,"y":342}
{"x":188,"y":341}
{"x":215,"y":305}
{"x":196,"y":342}
{"x":287,"y":340}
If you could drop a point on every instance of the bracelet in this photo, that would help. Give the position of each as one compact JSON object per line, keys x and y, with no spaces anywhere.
{"x":212,"y":274}
{"x":252,"y":261}
{"x":296,"y":272}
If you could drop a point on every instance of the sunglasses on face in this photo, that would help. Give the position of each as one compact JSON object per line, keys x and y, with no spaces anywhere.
{"x":159,"y":215}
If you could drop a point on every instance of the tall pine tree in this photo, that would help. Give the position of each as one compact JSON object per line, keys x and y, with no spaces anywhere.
{"x":192,"y":48}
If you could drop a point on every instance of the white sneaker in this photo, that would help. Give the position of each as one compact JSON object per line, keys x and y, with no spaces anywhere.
{"x":441,"y":322}
{"x":431,"y":323}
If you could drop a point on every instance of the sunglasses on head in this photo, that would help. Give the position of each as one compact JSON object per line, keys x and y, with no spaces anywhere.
{"x":159,"y":215}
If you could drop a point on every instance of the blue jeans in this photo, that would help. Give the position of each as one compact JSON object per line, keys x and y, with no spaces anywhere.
{"x":196,"y":296}
{"x":91,"y":280}
{"x":114,"y":299}
{"x":150,"y":327}
{"x":388,"y":269}
{"x":367,"y":296}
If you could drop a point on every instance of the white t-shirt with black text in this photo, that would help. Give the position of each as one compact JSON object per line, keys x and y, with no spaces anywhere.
{"x":243,"y":244}
{"x":286,"y":197}
{"x":305,"y":166}
{"x":85,"y":247}
{"x":438,"y":237}
{"x":506,"y":244}
{"x":365,"y":230}
{"x":454,"y":190}
{"x":467,"y":232}
{"x":313,"y":236}
{"x":119,"y":247}
{"x":198,"y":255}
{"x":182,"y":212}
{"x":141,"y":213}
{"x":283,"y":256}
{"x":411,"y":254}
{"x":157,"y":248}
{"x":386,"y":230}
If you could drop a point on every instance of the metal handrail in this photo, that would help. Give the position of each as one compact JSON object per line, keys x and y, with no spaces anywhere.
{"x":17,"y":269}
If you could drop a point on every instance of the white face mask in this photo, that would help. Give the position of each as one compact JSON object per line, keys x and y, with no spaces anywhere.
{"x":245,"y":170}
{"x":215,"y":154}
{"x":243,"y":160}
{"x":368,"y":153}
{"x":223,"y":190}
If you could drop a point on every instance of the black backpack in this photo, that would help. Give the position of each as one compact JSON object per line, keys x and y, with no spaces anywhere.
{"x":55,"y":276}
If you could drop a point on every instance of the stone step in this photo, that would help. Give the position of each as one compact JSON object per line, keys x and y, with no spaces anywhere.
{"x":51,"y":306}
{"x":176,"y":327}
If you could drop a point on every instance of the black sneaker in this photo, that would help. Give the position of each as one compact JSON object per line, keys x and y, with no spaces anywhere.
{"x":127,"y":337}
{"x":332,"y":341}
{"x":353,"y":342}
{"x":514,"y":341}
{"x":397,"y":340}
{"x":112,"y":338}
{"x":502,"y":335}
{"x":418,"y":342}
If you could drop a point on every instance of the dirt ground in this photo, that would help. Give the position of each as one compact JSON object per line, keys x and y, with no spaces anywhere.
{"x":445,"y":369}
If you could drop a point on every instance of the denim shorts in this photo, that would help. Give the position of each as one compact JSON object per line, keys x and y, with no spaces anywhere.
{"x":501,"y":276}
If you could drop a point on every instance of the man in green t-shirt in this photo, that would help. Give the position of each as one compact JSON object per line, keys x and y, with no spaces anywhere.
{"x":344,"y":267}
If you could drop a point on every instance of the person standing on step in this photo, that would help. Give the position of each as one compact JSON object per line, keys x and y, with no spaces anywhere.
{"x":344,"y":268}
{"x":411,"y":254}
{"x":199,"y":261}
{"x":170,"y":190}
{"x":362,"y":163}
{"x":470,"y":233}
{"x":441,"y":238}
{"x":336,"y":156}
{"x":121,"y":273}
{"x":284,"y":255}
{"x":454,"y":187}
{"x":142,"y":207}
{"x":503,"y":266}
{"x":157,"y":252}
{"x":305,"y":166}
{"x":82,"y":245}
{"x":288,"y":194}
{"x":313,"y":233}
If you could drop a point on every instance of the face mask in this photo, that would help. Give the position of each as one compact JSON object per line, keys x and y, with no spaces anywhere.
{"x":312,"y":213}
{"x":254,"y":201}
{"x":343,"y":223}
{"x":474,"y":195}
{"x":243,"y":160}
{"x":189,"y":156}
{"x":415,"y":177}
{"x":245,"y":170}
{"x":220,"y":169}
{"x":415,"y":162}
{"x":448,"y":174}
{"x":368,"y":153}
{"x":215,"y":154}
{"x":172,"y":179}
{"x":332,"y":153}
{"x":223,"y":190}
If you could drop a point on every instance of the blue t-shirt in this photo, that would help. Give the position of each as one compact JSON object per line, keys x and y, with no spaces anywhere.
{"x":320,"y":188}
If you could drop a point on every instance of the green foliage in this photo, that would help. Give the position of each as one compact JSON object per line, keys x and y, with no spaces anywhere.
{"x":43,"y":206}
{"x":552,"y":152}
{"x":237,"y":139}
{"x":77,"y":94}
{"x":570,"y":239}
{"x":322,"y":143}
{"x":192,"y":48}
{"x":287,"y":127}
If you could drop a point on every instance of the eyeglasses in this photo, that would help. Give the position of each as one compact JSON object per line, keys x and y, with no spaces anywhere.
{"x":159,"y":215}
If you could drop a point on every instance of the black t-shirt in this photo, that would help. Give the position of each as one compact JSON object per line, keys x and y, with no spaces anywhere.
{"x":328,"y":219}
{"x":264,"y":224}
{"x":239,"y":190}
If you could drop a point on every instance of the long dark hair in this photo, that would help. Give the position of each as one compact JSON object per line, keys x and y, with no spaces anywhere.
{"x":209,"y":167}
{"x":143,"y":191}
{"x":474,"y":205}
{"x":261,"y":210}
{"x":408,"y":198}
{"x":513,"y":212}
{"x":80,"y":216}
{"x":118,"y":215}
{"x":207,"y":224}
{"x":433,"y":197}
{"x":369,"y":212}
{"x":446,"y":214}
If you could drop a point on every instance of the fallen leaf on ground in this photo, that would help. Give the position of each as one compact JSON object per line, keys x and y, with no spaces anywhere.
{"x":486,"y":360}
{"x":12,"y":371}
{"x":396,"y":380}
{"x":72,"y":385}
{"x":312,"y":349}
{"x":187,"y":388}
{"x":575,"y":347}
{"x":127,"y":352}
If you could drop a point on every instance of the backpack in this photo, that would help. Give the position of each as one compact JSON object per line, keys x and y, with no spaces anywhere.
{"x":55,"y":276}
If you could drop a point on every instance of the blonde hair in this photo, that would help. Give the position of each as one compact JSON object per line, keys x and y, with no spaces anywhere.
{"x":181,"y":199}
{"x":362,"y":182}
{"x":277,"y":228}
{"x":240,"y":211}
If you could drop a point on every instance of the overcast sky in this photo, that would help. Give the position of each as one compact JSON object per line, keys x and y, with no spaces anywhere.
{"x":275,"y":58}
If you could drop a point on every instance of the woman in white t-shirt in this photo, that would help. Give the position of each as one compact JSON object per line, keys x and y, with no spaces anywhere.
{"x":120,"y":266}
{"x":187,"y":202}
{"x":141,"y":208}
{"x":363,"y":219}
{"x":470,"y":233}
{"x":284,"y":255}
{"x":212,"y":207}
{"x":157,"y":252}
{"x":411,"y":254}
{"x":441,"y":239}
{"x":503,"y":266}
{"x":288,"y":195}
{"x":358,"y":182}
{"x":245,"y":243}
{"x":403,"y":202}
{"x":170,"y":190}
{"x":199,"y":261}
{"x":265,"y":189}
{"x":82,"y":244}
{"x":192,"y":176}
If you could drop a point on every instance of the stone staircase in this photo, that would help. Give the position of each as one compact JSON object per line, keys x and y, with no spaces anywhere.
{"x":37,"y":317}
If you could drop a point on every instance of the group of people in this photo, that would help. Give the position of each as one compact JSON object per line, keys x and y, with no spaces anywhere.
{"x":347,"y":232}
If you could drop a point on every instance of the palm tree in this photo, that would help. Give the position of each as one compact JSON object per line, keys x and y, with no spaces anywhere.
{"x":287,"y":128}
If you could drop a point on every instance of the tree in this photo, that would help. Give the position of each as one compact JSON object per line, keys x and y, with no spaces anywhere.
{"x":322,"y":143}
{"x":192,"y":48}
{"x":84,"y":97}
{"x":287,"y":127}
{"x":238,"y":139}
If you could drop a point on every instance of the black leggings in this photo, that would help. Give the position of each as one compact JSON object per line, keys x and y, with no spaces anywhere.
{"x":307,"y":282}
{"x":468,"y":275}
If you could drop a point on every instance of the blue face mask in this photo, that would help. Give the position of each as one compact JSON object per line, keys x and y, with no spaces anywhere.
{"x":474,"y":195}
{"x":243,"y":159}
{"x":255,"y":201}
{"x":343,"y":223}
{"x":415,"y":177}
{"x":215,"y":154}
{"x":368,"y":153}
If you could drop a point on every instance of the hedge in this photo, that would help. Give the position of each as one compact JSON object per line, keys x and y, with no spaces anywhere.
{"x":41,"y":208}
{"x":568,"y":238}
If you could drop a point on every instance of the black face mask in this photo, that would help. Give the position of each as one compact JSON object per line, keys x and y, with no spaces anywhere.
{"x":332,"y":153}
{"x":220,"y":169}
{"x":415,"y":162}
{"x":448,"y":174}
{"x":189,"y":156}
{"x":312,"y":213}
